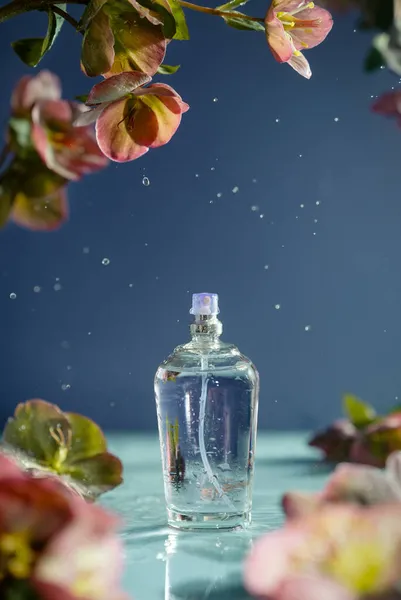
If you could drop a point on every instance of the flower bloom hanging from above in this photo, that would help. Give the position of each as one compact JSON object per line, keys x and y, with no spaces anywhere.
{"x":293,"y":26}
{"x":47,"y":151}
{"x":131,"y":118}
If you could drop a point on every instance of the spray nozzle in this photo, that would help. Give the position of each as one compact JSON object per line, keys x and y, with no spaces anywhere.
{"x":205,"y":304}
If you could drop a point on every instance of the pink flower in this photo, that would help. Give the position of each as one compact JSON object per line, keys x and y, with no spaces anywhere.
{"x":32,"y":89}
{"x":389,"y":105}
{"x":67,"y":150}
{"x":295,"y":25}
{"x":131,"y":118}
{"x":59,"y":545}
{"x":335,"y":441}
{"x":339,"y":553}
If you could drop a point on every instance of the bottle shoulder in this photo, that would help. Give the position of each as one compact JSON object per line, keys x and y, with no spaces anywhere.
{"x":220,"y":356}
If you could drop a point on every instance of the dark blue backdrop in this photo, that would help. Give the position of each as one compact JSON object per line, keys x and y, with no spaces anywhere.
{"x":325,"y":176}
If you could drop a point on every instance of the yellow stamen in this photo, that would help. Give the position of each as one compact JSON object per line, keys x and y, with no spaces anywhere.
{"x":16,"y":554}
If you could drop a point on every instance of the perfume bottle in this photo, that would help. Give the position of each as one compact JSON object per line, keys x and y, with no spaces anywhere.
{"x":207,"y":396}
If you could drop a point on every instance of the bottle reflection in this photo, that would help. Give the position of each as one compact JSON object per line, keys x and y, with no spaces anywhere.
{"x":205,"y":567}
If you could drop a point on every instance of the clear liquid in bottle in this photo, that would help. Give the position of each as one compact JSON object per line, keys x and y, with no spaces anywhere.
{"x":207,"y":405}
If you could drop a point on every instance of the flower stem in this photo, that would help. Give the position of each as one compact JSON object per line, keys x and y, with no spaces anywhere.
{"x":217,"y":12}
{"x":17,"y":7}
{"x":66,"y":16}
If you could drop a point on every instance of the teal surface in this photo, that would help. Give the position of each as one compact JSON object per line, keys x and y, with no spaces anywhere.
{"x":163,"y":563}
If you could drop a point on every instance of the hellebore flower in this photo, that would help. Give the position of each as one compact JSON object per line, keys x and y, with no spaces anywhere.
{"x":293,"y":26}
{"x":357,"y":484}
{"x":132,"y":118}
{"x":54,"y":544}
{"x":123,"y":36}
{"x":67,"y":150}
{"x":339,"y":553}
{"x":47,"y":441}
{"x":336,"y":440}
{"x":32,"y":196}
{"x":377,"y":441}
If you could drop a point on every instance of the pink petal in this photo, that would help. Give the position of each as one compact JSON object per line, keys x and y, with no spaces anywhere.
{"x":114,"y":137}
{"x":312,"y":26}
{"x":9,"y":469}
{"x":168,"y":115}
{"x":393,"y":467}
{"x":116,"y":87}
{"x":388,"y":104}
{"x":298,"y":504}
{"x":164,"y":91}
{"x":41,"y":214}
{"x":361,"y":454}
{"x":361,"y":484}
{"x":89,"y":116}
{"x":269,"y":561}
{"x":287,"y":6}
{"x":279,"y":41}
{"x":300,"y":65}
{"x":312,"y":588}
{"x":29,"y":90}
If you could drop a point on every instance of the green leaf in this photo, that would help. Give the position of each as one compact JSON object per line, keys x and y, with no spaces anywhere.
{"x":20,"y":130}
{"x":373,"y":61}
{"x":395,"y":409}
{"x":181,"y":32}
{"x":244,"y":23}
{"x":168,"y":18}
{"x":358,"y":412}
{"x":99,"y":473}
{"x":168,"y":69}
{"x":82,"y":98}
{"x":32,"y":50}
{"x":232,"y":4}
{"x":90,"y":12}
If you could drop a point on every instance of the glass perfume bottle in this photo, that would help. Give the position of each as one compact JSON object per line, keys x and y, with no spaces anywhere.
{"x":207,"y":396}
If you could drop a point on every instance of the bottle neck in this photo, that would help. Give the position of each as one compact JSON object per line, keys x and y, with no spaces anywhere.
{"x":206,"y":329}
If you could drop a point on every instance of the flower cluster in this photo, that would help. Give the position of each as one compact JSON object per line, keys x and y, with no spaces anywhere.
{"x":47,"y":152}
{"x":362,"y":437}
{"x":342,"y":543}
{"x":53,"y":544}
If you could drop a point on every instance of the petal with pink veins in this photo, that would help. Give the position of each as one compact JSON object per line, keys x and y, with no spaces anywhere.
{"x":116,"y":87}
{"x":97,"y":55}
{"x":312,"y":26}
{"x":279,"y":41}
{"x":114,"y":134}
{"x":300,"y":65}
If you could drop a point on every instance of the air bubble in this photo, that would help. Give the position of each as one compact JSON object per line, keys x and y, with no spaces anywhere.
{"x":105,"y":261}
{"x":145,"y":181}
{"x":13,"y":296}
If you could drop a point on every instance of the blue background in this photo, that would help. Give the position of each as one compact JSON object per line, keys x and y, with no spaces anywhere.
{"x":324,"y":174}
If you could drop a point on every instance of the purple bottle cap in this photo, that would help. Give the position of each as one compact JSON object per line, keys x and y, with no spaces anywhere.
{"x":205,"y":304}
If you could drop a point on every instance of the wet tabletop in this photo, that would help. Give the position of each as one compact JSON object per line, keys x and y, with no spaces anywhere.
{"x":164,"y":563}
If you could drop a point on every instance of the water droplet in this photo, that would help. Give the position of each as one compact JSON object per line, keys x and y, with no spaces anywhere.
{"x":315,"y":220}
{"x":277,"y":120}
{"x":219,"y":194}
{"x":212,"y":168}
{"x":317,"y":202}
{"x":65,"y":345}
{"x":336,"y":119}
{"x":215,"y":99}
{"x":300,"y":156}
{"x":277,"y":306}
{"x":145,"y":181}
{"x":85,"y":250}
{"x":235,"y":189}
{"x":69,"y":367}
{"x":37,"y":288}
{"x":196,"y":174}
{"x":89,"y":333}
{"x":255,"y":208}
{"x":13,"y":296}
{"x":57,"y":287}
{"x":65,"y":386}
{"x":130,"y":285}
{"x":307,"y":327}
{"x":146,"y":244}
{"x":261,"y":216}
{"x":254,"y":180}
{"x":112,"y":404}
{"x":302,"y":205}
{"x":105,"y":261}
{"x":266,"y":267}
{"x":210,"y":201}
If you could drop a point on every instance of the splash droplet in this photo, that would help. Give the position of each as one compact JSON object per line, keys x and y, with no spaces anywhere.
{"x":85,"y":250}
{"x":219,"y":194}
{"x":215,"y":99}
{"x":261,"y":216}
{"x":145,"y":181}
{"x":255,"y":208}
{"x":37,"y":289}
{"x":277,"y":120}
{"x":317,"y":202}
{"x":266,"y":267}
{"x":307,"y":327}
{"x":57,"y":287}
{"x":336,"y":119}
{"x":302,"y":205}
{"x":235,"y":189}
{"x":277,"y":306}
{"x":65,"y":386}
{"x":13,"y":296}
{"x":106,"y":261}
